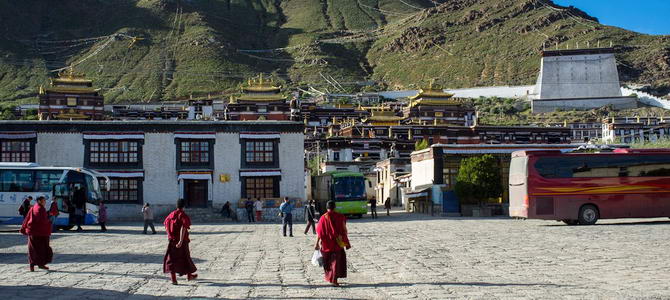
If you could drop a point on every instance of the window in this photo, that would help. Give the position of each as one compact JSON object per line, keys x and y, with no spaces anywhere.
{"x":604,"y":166}
{"x":123,"y":190}
{"x":15,"y":151}
{"x":259,"y":152}
{"x":336,"y":156}
{"x":194,"y":152}
{"x":114,"y":152}
{"x":71,"y":101}
{"x":16,"y":181}
{"x":261,"y":187}
{"x":44,"y":180}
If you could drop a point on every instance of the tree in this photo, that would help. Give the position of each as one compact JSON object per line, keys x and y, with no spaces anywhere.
{"x":420,"y":145}
{"x":478,"y":179}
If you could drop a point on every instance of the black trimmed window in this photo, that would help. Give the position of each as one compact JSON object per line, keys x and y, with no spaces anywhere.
{"x":16,"y":151}
{"x":124,"y":190}
{"x":194,"y":152}
{"x":260,"y":187}
{"x":113,"y":153}
{"x":259,"y":151}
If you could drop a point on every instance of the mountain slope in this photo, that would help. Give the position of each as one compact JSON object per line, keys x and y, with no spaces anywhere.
{"x":199,"y":47}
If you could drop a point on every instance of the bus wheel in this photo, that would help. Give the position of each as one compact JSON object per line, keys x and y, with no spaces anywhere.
{"x":571,"y":222}
{"x":588,"y":215}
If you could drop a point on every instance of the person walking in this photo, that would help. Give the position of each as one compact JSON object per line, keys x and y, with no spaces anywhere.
{"x":249,"y":207}
{"x":79,"y":200}
{"x":102,"y":216}
{"x":177,"y":258}
{"x":225,"y":210}
{"x":148,"y":216}
{"x":258,"y":206}
{"x":24,"y":208}
{"x":373,"y":207}
{"x":332,"y":240}
{"x":387,"y":205}
{"x":286,"y":210}
{"x":53,"y":214}
{"x":37,"y":227}
{"x":310,"y":216}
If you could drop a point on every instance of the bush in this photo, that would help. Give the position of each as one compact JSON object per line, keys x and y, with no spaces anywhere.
{"x":420,"y":145}
{"x":478,"y":179}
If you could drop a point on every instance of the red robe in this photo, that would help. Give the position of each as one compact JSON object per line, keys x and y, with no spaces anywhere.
{"x":37,"y":227}
{"x":332,"y":230}
{"x":178,"y":260}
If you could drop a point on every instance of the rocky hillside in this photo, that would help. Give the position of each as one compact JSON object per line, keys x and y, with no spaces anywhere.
{"x":156,"y":50}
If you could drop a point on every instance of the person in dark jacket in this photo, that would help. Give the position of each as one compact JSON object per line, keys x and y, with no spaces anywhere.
{"x":387,"y":205}
{"x":373,"y":207}
{"x":79,"y":201}
{"x":310,"y":216}
{"x":24,"y":208}
{"x":249,"y":207}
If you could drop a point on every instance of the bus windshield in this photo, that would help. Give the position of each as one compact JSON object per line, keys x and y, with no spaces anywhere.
{"x":349,"y":188}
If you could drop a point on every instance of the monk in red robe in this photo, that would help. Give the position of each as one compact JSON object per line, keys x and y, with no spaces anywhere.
{"x":37,"y":227}
{"x":178,"y":256}
{"x":332,"y":239}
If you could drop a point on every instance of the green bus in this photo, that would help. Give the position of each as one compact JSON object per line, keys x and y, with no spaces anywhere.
{"x":346,"y":188}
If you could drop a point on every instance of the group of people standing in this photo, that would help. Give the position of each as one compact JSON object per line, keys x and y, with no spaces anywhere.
{"x":331,"y":231}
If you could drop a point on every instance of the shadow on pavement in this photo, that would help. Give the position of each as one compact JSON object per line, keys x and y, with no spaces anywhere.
{"x":48,"y":292}
{"x":664,"y":222}
{"x":60,"y":258}
{"x":12,"y":239}
{"x":376,"y":285}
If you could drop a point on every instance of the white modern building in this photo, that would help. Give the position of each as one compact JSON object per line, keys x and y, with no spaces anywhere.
{"x":206,"y":163}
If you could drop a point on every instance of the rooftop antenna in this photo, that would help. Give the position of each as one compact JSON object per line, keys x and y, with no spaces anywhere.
{"x":588,"y":44}
{"x":598,"y":43}
{"x":577,"y":45}
{"x":611,"y":44}
{"x":556,"y":45}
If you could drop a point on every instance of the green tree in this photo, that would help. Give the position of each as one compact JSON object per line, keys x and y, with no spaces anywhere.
{"x":420,"y":145}
{"x":478,"y":179}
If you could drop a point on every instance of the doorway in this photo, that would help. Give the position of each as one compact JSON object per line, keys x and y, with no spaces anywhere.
{"x":195,"y":193}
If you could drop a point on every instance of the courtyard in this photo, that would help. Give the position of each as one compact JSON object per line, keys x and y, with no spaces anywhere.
{"x":404,"y":256}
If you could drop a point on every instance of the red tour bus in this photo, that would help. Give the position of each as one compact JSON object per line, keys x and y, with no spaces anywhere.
{"x":580,"y":188}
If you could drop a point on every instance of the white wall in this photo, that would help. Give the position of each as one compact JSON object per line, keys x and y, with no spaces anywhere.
{"x":292,"y":165}
{"x":227,"y":160}
{"x":422,"y":172}
{"x":578,"y":76}
{"x":60,"y":149}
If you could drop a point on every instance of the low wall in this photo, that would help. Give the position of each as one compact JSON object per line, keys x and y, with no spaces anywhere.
{"x":549,"y":105}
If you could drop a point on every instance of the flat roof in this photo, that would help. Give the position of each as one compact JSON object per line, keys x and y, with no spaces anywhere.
{"x":587,"y":51}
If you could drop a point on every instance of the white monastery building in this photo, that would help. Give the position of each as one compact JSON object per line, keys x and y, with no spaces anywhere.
{"x":204,"y":162}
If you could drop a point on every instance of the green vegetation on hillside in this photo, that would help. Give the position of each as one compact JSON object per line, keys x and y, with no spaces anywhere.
{"x":202,"y":47}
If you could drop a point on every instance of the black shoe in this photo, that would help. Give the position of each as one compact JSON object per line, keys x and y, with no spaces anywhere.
{"x":153,"y":232}
{"x":291,"y":235}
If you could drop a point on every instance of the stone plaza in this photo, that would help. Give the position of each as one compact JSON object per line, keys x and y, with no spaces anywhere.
{"x":403,"y":256}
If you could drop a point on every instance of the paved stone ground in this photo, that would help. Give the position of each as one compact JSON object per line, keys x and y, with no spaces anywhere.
{"x":399,"y":257}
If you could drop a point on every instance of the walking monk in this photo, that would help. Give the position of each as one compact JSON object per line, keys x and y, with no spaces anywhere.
{"x":178,"y":256}
{"x":37,"y":227}
{"x":332,"y":233}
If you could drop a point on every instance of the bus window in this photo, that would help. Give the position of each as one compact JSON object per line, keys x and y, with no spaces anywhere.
{"x":91,"y":189}
{"x":16,"y":181}
{"x":44,"y":180}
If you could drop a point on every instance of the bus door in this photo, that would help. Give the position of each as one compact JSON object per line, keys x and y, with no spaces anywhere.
{"x":518,"y":187}
{"x":62,"y":194}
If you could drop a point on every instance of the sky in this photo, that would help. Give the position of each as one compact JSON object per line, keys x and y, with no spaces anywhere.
{"x":644,"y":16}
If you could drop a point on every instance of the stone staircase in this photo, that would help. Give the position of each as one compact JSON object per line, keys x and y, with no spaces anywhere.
{"x":206,"y":215}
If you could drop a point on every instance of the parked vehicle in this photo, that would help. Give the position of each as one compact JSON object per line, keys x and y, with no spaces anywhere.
{"x":346,"y":188}
{"x":581,"y":188}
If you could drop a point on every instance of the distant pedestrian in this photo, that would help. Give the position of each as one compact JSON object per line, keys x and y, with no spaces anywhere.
{"x":24,"y":208}
{"x":79,"y":200}
{"x":177,"y":258}
{"x":258,"y":206}
{"x":310,"y":216}
{"x":37,"y":227}
{"x":225,"y":210}
{"x":387,"y":205}
{"x":102,"y":216}
{"x":249,"y":207}
{"x":53,"y":214}
{"x":286,"y":210}
{"x":373,"y":207}
{"x":332,"y":239}
{"x":148,"y":216}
